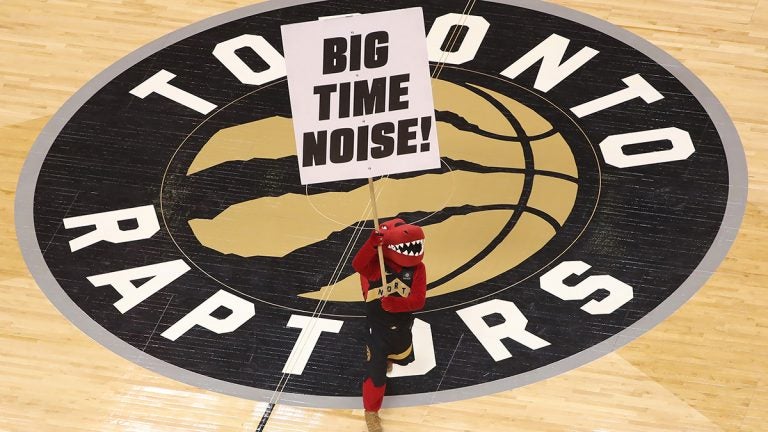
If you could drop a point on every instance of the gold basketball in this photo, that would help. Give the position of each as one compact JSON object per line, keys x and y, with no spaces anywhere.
{"x":491,"y":185}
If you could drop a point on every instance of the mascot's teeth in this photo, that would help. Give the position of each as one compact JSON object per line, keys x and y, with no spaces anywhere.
{"x":411,"y":248}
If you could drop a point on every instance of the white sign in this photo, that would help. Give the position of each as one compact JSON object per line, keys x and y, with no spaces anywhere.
{"x":361,"y":96}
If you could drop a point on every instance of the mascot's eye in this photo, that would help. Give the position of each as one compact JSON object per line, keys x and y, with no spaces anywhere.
{"x":383,"y":227}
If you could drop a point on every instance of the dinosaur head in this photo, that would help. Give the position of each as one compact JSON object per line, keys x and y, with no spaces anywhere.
{"x":403,"y":243}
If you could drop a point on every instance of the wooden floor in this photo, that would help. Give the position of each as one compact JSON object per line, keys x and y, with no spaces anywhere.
{"x":703,"y":369}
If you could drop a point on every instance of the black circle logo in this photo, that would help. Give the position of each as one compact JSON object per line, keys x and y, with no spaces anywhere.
{"x":589,"y":184}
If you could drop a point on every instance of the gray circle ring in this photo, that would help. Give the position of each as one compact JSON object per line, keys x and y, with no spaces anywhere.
{"x":737,"y":198}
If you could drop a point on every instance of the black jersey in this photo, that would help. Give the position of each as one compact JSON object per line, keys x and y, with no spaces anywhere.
{"x":399,"y":284}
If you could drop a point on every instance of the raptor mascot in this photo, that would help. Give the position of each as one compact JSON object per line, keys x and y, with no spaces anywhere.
{"x":389,"y":309}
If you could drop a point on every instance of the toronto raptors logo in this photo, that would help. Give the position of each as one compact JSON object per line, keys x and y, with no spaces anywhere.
{"x":584,"y":180}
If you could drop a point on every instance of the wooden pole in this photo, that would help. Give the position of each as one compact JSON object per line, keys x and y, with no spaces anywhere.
{"x":376,"y":228}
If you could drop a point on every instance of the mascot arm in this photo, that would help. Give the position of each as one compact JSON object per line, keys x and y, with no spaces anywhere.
{"x":366,"y":261}
{"x":415,"y":300}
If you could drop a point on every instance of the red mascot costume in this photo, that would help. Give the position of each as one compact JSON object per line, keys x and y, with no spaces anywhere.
{"x":389,"y":309}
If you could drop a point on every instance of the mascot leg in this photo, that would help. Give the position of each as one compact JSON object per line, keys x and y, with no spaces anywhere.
{"x":374,"y":385}
{"x":373,"y":396}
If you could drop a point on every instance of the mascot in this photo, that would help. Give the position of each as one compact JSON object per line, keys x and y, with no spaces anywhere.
{"x":389,"y":308}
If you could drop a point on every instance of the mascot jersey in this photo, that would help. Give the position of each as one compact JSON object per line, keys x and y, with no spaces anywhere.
{"x":406,"y":276}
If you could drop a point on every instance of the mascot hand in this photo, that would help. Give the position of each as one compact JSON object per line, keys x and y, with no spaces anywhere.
{"x":377,"y":239}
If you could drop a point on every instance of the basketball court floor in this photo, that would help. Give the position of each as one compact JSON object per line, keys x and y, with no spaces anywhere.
{"x":703,"y":368}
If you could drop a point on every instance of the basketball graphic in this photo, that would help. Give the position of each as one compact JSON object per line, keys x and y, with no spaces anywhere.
{"x":507,"y":187}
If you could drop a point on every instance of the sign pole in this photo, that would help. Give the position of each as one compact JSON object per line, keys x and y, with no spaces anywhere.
{"x":376,"y":228}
